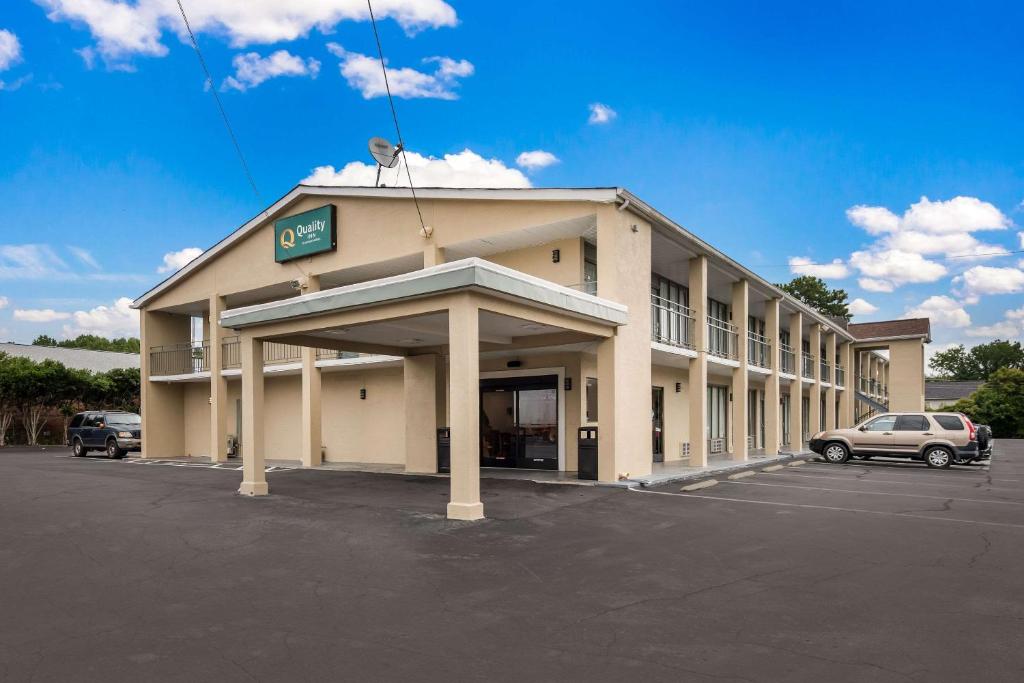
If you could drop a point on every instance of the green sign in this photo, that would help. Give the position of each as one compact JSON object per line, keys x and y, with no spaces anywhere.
{"x":304,"y":234}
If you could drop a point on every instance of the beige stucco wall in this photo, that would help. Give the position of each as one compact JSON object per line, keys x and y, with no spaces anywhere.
{"x":906,"y":375}
{"x":538,"y":261}
{"x":371,"y":430}
{"x":196,"y":398}
{"x":677,"y":408}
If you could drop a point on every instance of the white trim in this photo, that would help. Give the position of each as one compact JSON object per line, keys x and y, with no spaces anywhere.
{"x":718,"y":360}
{"x":674,"y":350}
{"x":562,"y":411}
{"x":757,"y":369}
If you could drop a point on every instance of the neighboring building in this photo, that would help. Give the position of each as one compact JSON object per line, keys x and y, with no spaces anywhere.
{"x":514,"y":318}
{"x":939,"y":393}
{"x":79,"y":359}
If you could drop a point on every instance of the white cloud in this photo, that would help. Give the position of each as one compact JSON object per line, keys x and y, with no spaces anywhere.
{"x":1020,"y":236}
{"x":601,"y":113}
{"x":4,"y":302}
{"x":41,"y":262}
{"x":117,"y":320}
{"x":861,"y":307}
{"x":39,"y":315}
{"x":363,"y":73}
{"x":84,"y":256}
{"x":980,"y":280}
{"x":10,"y":49}
{"x":536,"y":160}
{"x":1000,"y":330}
{"x":176,"y":260}
{"x":877,"y":220}
{"x":464,"y":169}
{"x":944,"y":311}
{"x":959,"y":214}
{"x":804,"y":266}
{"x":887,"y":269}
{"x":959,"y":244}
{"x":251,"y":69}
{"x":122,"y":30}
{"x":1015,"y":314}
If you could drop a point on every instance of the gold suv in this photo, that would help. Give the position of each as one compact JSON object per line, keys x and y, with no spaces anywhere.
{"x":939,"y":439}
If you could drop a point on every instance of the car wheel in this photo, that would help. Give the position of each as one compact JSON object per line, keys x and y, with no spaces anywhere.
{"x":113,"y":450}
{"x":77,"y":449}
{"x":835,"y":453}
{"x":939,"y":457}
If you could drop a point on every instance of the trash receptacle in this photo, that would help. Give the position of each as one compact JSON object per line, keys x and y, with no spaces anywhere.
{"x":587,"y":445}
{"x":444,"y":450}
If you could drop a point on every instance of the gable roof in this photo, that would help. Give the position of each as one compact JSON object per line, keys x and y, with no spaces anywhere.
{"x":79,"y":359}
{"x":944,"y":390}
{"x":892,"y":329}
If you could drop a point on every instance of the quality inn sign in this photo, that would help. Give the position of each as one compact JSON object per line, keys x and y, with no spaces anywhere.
{"x":307,"y":233}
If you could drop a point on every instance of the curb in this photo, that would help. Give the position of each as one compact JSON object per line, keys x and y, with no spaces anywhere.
{"x":729,"y":471}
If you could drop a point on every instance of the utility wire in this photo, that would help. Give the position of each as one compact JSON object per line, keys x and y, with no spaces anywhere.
{"x":394,"y":114}
{"x":220,"y":106}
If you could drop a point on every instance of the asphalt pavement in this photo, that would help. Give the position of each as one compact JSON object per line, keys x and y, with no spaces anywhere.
{"x":870,"y":571}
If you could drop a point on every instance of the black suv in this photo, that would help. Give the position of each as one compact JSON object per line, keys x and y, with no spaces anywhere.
{"x":112,"y":431}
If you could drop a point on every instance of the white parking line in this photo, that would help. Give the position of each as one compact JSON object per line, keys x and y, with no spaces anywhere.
{"x":866,"y":481}
{"x":930,"y":518}
{"x":875,"y":493}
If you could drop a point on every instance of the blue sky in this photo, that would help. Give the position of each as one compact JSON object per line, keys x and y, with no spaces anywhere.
{"x":758,"y":127}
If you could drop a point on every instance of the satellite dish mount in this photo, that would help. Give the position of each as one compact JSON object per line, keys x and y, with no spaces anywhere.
{"x":385,"y":154}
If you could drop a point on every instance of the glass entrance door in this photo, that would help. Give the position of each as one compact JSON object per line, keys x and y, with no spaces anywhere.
{"x":519,"y":422}
{"x":658,"y":423}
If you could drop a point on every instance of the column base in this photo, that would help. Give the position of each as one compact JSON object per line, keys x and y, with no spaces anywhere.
{"x":466,"y":511}
{"x":253,"y":488}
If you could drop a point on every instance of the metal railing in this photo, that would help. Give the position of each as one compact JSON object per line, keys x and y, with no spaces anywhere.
{"x":759,"y":350}
{"x":333,"y":354}
{"x":807,"y":365}
{"x":671,"y":323}
{"x":840,"y":376}
{"x":722,"y":339}
{"x":787,"y":359}
{"x":826,"y":376}
{"x":179,"y":359}
{"x":587,"y":287}
{"x":276,"y":352}
{"x":230,"y":353}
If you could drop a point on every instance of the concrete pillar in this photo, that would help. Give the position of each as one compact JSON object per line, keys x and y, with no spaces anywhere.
{"x":464,"y":392}
{"x":420,"y":394}
{"x":698,"y":385}
{"x":163,"y":404}
{"x":906,"y":359}
{"x":830,"y":391}
{"x":796,"y":388}
{"x":814,"y":416}
{"x":218,"y":383}
{"x":847,"y":395}
{"x":740,"y":381}
{"x":624,"y":360}
{"x":772,"y":435}
{"x":312,"y":432}
{"x":433,"y":255}
{"x":254,"y":475}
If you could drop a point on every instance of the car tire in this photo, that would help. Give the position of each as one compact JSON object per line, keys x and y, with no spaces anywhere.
{"x":78,"y":449}
{"x":938,"y":457}
{"x":114,"y":451}
{"x":835,"y":453}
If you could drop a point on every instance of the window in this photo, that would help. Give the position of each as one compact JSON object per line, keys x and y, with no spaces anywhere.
{"x":949,"y":422}
{"x":76,"y":421}
{"x":881,"y":424}
{"x":912,"y":423}
{"x":591,"y":399}
{"x":718,"y":412}
{"x":667,"y":303}
{"x":589,"y":264}
{"x":92,"y":420}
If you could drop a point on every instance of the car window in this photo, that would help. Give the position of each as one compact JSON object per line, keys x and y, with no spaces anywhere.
{"x":881,"y":424}
{"x":90,"y":420}
{"x":912,"y":423}
{"x":950,"y":422}
{"x":76,"y":421}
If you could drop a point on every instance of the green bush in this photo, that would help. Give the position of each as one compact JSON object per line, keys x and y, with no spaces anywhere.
{"x":998,"y":404}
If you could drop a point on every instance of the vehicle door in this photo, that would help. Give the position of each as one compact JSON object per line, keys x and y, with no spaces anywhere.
{"x":85,"y":429}
{"x":909,"y":433}
{"x":875,"y":436}
{"x":97,"y":425}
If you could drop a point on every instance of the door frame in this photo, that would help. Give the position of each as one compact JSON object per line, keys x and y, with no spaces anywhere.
{"x":528,"y":372}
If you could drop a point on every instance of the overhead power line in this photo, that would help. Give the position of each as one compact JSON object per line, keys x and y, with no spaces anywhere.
{"x":220,"y":105}
{"x":394,"y":115}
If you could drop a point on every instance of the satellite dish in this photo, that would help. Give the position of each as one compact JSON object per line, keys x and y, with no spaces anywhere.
{"x":383,"y":152}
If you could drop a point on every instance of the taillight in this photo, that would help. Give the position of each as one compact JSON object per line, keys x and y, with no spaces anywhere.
{"x":972,"y":431}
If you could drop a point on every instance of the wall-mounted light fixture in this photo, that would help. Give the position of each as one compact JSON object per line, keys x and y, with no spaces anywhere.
{"x":556,"y":255}
{"x":362,"y":394}
{"x":679,"y":387}
{"x":514,"y":364}
{"x":568,"y":383}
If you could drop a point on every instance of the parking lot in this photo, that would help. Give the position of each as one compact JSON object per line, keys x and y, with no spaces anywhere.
{"x":870,"y":571}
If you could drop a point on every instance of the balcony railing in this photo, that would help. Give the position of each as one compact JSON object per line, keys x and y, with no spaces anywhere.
{"x":787,"y":359}
{"x":825,"y":374}
{"x":722,"y":339}
{"x":186,"y":359}
{"x":587,"y":287}
{"x":276,"y":352}
{"x":230,"y":353}
{"x":807,"y":365}
{"x":332,"y":354}
{"x":671,"y":323}
{"x":179,"y":359}
{"x":840,"y":376}
{"x":759,"y":350}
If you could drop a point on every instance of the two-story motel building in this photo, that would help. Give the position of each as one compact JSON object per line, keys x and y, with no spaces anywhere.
{"x":336,"y":329}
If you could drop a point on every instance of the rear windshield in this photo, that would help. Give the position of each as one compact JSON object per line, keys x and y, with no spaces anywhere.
{"x":124,"y":418}
{"x":950,"y":422}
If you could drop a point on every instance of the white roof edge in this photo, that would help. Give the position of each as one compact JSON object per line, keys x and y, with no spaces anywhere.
{"x":645,"y":210}
{"x":596,"y":194}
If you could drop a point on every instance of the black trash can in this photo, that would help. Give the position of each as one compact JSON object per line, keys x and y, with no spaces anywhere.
{"x":587,"y":445}
{"x":444,"y":450}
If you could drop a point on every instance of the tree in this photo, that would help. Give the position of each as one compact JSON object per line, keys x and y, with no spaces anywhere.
{"x":815,"y":293}
{"x":957,"y":363}
{"x":37,"y":387}
{"x":92,"y":342}
{"x":8,"y":400}
{"x":999,"y":404}
{"x":44,"y":340}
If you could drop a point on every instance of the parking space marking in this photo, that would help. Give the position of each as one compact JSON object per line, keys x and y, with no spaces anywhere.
{"x":930,"y":518}
{"x":230,"y":467}
{"x":890,"y":467}
{"x":875,"y":493}
{"x":866,"y":481}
